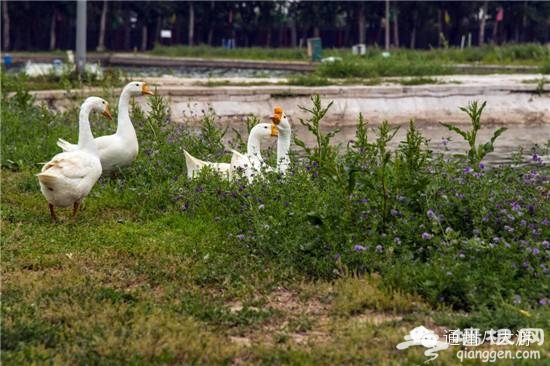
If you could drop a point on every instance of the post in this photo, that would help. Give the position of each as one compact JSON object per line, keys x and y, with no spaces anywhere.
{"x":387,"y":28}
{"x":80,"y":35}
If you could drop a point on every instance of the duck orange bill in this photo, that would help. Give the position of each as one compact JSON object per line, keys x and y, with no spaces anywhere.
{"x":145,"y":90}
{"x":276,"y":119}
{"x":274,"y":130}
{"x":106,"y":113}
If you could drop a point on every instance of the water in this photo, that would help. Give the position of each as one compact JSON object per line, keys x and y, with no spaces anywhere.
{"x":519,"y":139}
{"x":204,"y":72}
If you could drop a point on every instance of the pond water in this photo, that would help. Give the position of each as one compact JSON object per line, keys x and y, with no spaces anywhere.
{"x":185,"y":72}
{"x":517,"y":139}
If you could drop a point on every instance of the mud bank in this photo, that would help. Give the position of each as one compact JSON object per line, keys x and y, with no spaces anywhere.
{"x":511,"y":99}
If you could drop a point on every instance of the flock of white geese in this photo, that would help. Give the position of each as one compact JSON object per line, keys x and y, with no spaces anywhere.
{"x":70,"y":176}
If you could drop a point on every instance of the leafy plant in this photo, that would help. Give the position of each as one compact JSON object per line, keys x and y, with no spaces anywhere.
{"x":475,"y":153}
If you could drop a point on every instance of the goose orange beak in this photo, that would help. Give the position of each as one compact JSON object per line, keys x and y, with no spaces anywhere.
{"x":106,"y":113}
{"x":145,"y":90}
{"x":274,"y":130}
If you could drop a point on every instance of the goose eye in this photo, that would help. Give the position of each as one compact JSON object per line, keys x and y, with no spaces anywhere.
{"x":137,"y":84}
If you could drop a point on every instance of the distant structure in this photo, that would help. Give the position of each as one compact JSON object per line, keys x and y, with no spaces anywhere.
{"x":80,"y":35}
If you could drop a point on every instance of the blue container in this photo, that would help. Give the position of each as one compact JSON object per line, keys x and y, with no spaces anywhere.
{"x":8,"y":60}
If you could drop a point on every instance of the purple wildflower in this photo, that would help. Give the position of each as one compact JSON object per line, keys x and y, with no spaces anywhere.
{"x":536,"y":158}
{"x":379,"y":248}
{"x":394,"y":212}
{"x":544,"y":301}
{"x":481,"y":166}
{"x":509,"y":228}
{"x":545,"y":244}
{"x":359,"y":248}
{"x":467,"y":170}
{"x":426,"y":236}
{"x":535,"y":251}
{"x":431,"y":214}
{"x":397,"y":240}
{"x":241,"y":236}
{"x":515,"y":206}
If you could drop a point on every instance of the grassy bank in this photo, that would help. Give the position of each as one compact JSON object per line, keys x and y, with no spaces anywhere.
{"x":401,"y":62}
{"x":333,"y":264}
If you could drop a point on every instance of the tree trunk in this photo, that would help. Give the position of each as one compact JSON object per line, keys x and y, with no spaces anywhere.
{"x":6,"y":21}
{"x":481,"y":40}
{"x":191,"y":29}
{"x":495,"y":30}
{"x":439,"y":27}
{"x":387,"y":26}
{"x":316,"y":31}
{"x":158,"y":28}
{"x":211,"y":25}
{"x":102,"y":25}
{"x":52,"y":30}
{"x":361,"y":22}
{"x":144,"y":37}
{"x":395,"y":28}
{"x":293,"y":33}
{"x":127,"y":31}
{"x":413,"y":37}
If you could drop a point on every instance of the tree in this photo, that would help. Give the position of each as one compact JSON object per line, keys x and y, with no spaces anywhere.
{"x":387,"y":26}
{"x":361,"y":21}
{"x":6,"y":21}
{"x":482,"y":18}
{"x":102,"y":27}
{"x":191,"y":25}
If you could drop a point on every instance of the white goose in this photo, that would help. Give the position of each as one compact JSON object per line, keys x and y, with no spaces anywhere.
{"x":121,"y":148}
{"x":69,"y":176}
{"x":257,"y":133}
{"x":283,"y":141}
{"x":252,"y":163}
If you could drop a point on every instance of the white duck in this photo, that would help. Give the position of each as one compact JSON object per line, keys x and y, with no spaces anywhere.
{"x":283,"y":141}
{"x":253,"y":164}
{"x":194,"y":166}
{"x":257,"y":133}
{"x":69,"y":176}
{"x":121,"y":148}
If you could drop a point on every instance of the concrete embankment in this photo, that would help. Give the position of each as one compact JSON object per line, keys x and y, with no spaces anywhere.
{"x":511,"y":99}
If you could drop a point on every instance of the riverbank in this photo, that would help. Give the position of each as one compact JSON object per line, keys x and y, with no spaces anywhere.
{"x":139,"y":59}
{"x":513,"y":99}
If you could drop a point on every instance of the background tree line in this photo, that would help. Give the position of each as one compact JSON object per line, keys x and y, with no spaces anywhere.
{"x":126,"y":25}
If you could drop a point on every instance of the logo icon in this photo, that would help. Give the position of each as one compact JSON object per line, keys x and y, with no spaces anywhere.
{"x":422,"y":336}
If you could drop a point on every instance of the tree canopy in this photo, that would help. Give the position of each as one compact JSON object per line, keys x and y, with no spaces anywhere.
{"x":128,"y":25}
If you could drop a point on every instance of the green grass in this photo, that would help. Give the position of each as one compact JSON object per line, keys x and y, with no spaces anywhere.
{"x":252,"y":53}
{"x":325,"y":266}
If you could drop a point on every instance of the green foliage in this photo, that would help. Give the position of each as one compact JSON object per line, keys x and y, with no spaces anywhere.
{"x":475,"y":153}
{"x":154,"y":250}
{"x":249,"y":53}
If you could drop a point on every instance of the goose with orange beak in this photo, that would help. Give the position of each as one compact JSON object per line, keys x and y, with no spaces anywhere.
{"x":252,"y":164}
{"x":120,"y":149}
{"x":68,"y":178}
